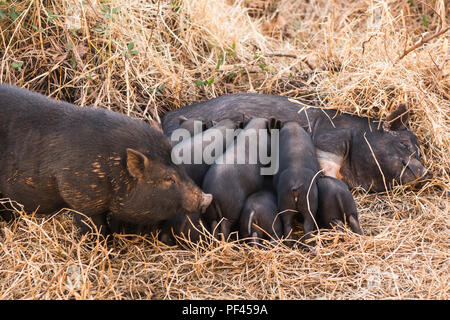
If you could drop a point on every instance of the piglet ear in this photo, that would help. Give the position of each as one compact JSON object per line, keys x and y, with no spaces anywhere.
{"x":137,"y":163}
{"x":279,"y":124}
{"x":245,"y":120}
{"x":155,"y":124}
{"x":209,"y":124}
{"x":274,"y":123}
{"x":398,"y":119}
{"x":181,"y":119}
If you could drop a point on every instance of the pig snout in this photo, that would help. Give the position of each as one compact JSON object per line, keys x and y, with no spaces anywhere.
{"x":425,"y":174}
{"x":196,"y":201}
{"x":205,"y":202}
{"x":415,"y":171}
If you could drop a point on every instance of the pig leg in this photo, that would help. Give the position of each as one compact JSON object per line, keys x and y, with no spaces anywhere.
{"x":8,"y":215}
{"x":116,"y":225}
{"x":221,"y":229}
{"x":213,"y":227}
{"x":308,"y":228}
{"x":89,"y":224}
{"x":7,"y":212}
{"x":274,"y":236}
{"x":225,"y":227}
{"x":309,"y":213}
{"x":286,"y":219}
{"x":92,"y":201}
{"x":219,"y":224}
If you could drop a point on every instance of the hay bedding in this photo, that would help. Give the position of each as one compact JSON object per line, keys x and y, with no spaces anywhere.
{"x":145,"y":58}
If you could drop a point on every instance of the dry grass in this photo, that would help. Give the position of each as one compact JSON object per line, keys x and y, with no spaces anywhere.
{"x":143,"y":58}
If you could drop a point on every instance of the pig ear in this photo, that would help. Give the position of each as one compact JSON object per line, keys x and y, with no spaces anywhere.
{"x":398,"y":119}
{"x":137,"y":163}
{"x":181,"y":119}
{"x":245,"y":120}
{"x":279,"y":124}
{"x":208,"y":124}
{"x":272,"y":123}
{"x":240,"y":124}
{"x":156,"y":125}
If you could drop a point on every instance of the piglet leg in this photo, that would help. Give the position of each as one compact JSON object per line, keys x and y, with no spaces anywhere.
{"x":286,"y":219}
{"x":91,"y":224}
{"x":308,"y":228}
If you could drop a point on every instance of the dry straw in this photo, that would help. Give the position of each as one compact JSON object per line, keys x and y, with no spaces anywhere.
{"x":143,"y":58}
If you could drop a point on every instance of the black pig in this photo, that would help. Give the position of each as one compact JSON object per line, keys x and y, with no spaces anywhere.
{"x":336,"y":205}
{"x":193,"y":126}
{"x":215,"y":139}
{"x":341,"y":140}
{"x":56,"y":155}
{"x":295,"y":181}
{"x":231,"y":183}
{"x":259,"y":218}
